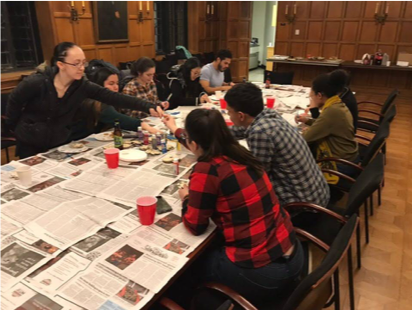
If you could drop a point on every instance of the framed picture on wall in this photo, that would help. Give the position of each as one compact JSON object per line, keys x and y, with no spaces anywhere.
{"x":110,"y":21}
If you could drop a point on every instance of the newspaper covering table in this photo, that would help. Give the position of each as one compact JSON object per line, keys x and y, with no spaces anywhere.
{"x":72,"y":239}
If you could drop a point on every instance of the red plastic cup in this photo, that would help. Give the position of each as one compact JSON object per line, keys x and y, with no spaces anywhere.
{"x":229,"y":122}
{"x":146,"y":206}
{"x":223,"y":104}
{"x":270,"y":103}
{"x":112,"y":158}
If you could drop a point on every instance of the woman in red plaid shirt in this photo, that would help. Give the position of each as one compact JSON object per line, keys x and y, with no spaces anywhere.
{"x":261,"y":256}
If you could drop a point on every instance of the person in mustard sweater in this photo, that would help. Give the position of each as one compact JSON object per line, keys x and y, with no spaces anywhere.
{"x":332,"y":133}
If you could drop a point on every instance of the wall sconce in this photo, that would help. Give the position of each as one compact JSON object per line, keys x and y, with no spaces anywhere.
{"x":291,"y":18}
{"x":380,"y":19}
{"x":210,"y":11}
{"x":74,"y":15}
{"x":140,"y":15}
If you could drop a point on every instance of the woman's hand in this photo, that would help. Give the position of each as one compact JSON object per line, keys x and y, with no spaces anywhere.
{"x":183,"y":192}
{"x":156,"y":113}
{"x":170,"y":123}
{"x":165,"y":105}
{"x":205,"y":98}
{"x":147,"y":127}
{"x":302,"y":118}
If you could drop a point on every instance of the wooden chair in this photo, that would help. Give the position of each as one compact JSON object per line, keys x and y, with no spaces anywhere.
{"x":312,"y":293}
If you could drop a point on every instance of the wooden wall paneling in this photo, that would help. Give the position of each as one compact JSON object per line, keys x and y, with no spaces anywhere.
{"x":301,"y":26}
{"x":370,"y":7}
{"x":405,"y":32}
{"x":335,"y":9}
{"x":141,"y":35}
{"x":389,"y":49}
{"x":283,"y":32}
{"x":396,"y":9}
{"x":330,"y":50}
{"x":47,"y":30}
{"x":353,"y":9}
{"x":407,"y":9}
{"x":368,"y":32}
{"x":318,"y":9}
{"x":313,"y":49}
{"x":282,"y":7}
{"x":377,"y":79}
{"x":350,"y":31}
{"x":281,"y":48}
{"x":331,"y":30}
{"x":297,"y":49}
{"x":388,"y":32}
{"x":347,"y":51}
{"x":302,"y":9}
{"x":365,"y":48}
{"x":315,"y":29}
{"x":193,"y":26}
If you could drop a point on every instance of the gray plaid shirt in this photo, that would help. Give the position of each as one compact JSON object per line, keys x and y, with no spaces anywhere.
{"x":287,"y":158}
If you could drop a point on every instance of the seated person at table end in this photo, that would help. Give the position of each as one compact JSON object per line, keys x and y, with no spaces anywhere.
{"x":333,"y":131}
{"x":212,"y":76}
{"x":278,"y":145}
{"x":261,"y":256}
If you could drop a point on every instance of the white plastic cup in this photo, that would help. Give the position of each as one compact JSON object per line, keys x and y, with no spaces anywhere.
{"x":24,"y":175}
{"x":218,"y":94}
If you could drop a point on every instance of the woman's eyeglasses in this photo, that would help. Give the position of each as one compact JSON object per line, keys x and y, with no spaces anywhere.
{"x":78,"y":65}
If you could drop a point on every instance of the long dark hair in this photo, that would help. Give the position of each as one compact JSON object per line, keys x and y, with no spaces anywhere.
{"x":142,"y":65}
{"x":186,"y":68}
{"x":60,"y":52}
{"x":101,"y":75}
{"x":330,"y":84}
{"x":208,"y":129}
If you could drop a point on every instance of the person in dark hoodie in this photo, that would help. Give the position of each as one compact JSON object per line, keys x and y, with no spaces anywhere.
{"x":186,"y":89}
{"x":41,"y":108}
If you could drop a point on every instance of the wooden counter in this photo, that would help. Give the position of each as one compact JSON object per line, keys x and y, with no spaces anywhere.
{"x":364,"y":78}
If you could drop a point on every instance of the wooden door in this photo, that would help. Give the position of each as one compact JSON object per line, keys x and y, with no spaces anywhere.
{"x":239,"y":23}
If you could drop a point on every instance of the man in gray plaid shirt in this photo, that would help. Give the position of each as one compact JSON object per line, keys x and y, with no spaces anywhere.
{"x":279,"y":146}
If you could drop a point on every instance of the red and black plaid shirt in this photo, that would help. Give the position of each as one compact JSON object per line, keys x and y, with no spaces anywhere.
{"x":244,"y":206}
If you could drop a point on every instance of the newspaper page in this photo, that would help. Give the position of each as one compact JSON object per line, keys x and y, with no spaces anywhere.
{"x":71,"y":222}
{"x":59,"y":273}
{"x":168,"y":232}
{"x":139,"y":183}
{"x":20,"y":212}
{"x":10,"y":192}
{"x":38,"y":163}
{"x":32,"y":242}
{"x":103,"y":288}
{"x":22,"y":297}
{"x":46,"y":201}
{"x":9,"y":227}
{"x":97,"y":180}
{"x":143,"y":262}
{"x":128,"y":223}
{"x":75,"y":167}
{"x":94,"y":246}
{"x":18,"y":261}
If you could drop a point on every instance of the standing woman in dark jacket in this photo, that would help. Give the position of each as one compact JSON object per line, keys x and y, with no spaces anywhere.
{"x":43,"y":105}
{"x":186,"y":89}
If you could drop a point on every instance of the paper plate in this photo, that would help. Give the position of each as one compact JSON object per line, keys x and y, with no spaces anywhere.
{"x":132,"y":155}
{"x":71,"y":150}
{"x":104,"y":136}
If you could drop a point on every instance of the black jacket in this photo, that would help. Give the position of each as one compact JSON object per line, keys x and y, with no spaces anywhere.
{"x":183,"y":94}
{"x":42,"y":120}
